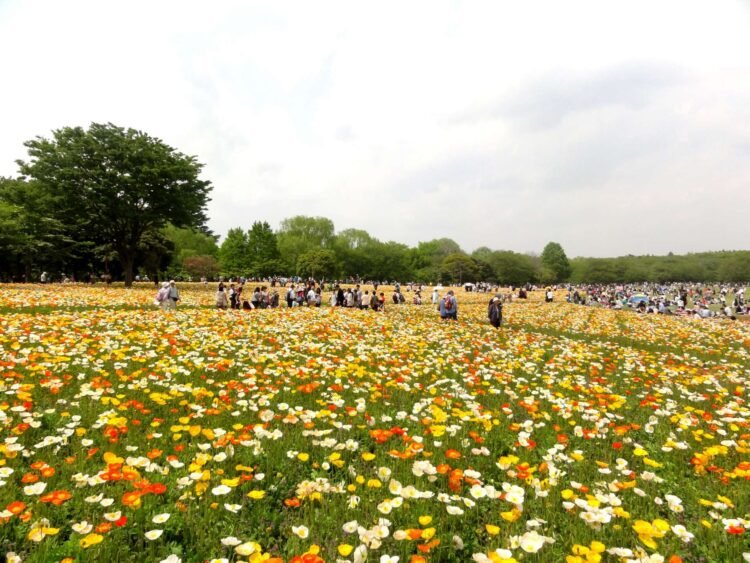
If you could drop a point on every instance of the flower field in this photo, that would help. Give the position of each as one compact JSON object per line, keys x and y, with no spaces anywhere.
{"x":570,"y":434}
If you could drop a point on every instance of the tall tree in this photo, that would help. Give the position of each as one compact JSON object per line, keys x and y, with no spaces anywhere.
{"x":427,"y":257}
{"x":555,"y":264}
{"x":300,"y":234}
{"x":318,"y":264}
{"x":512,"y":268}
{"x":191,"y":242}
{"x":263,"y":250}
{"x":117,"y":184}
{"x":233,"y":254}
{"x":459,"y":268}
{"x":355,"y":250}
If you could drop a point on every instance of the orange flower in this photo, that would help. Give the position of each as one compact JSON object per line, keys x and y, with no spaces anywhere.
{"x":414,"y":533}
{"x":56,"y":497}
{"x":16,"y":507}
{"x":426,"y":547}
{"x":132,"y":499}
{"x":157,"y":488}
{"x":453,"y":454}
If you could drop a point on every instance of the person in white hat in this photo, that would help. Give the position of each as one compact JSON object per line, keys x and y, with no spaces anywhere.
{"x":174,"y":295}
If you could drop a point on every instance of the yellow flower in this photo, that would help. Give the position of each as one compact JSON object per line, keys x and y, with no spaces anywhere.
{"x":511,"y":515}
{"x":345,"y":549}
{"x":425,"y":520}
{"x":303,"y":456}
{"x":91,"y":539}
{"x":367,"y":456}
{"x":647,"y":531}
{"x":255,"y":494}
{"x":492,"y":529}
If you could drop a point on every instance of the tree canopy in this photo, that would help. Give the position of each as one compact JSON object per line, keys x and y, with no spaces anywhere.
{"x":555,"y":264}
{"x":116,"y":185}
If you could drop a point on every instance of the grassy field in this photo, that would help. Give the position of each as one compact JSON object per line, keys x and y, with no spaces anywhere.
{"x":571,"y":433}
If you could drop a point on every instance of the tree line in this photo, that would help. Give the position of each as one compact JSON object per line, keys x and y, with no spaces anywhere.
{"x":115,"y":201}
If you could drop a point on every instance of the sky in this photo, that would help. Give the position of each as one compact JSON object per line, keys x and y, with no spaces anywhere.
{"x":611,"y":128}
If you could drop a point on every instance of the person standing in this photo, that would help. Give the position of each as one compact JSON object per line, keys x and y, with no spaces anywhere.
{"x":234,"y":297}
{"x":221,"y":297}
{"x":162,"y":296}
{"x":174,"y":295}
{"x":449,"y":306}
{"x":435,"y":296}
{"x":495,"y":311}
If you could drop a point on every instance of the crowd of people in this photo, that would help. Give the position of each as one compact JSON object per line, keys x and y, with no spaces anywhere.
{"x":698,"y":300}
{"x":701,"y":301}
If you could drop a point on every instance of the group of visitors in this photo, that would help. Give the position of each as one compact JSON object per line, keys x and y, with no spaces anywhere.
{"x":698,"y":300}
{"x":231,"y":296}
{"x":168,"y":295}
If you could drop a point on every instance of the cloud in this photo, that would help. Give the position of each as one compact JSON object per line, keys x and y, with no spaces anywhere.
{"x":608,"y":128}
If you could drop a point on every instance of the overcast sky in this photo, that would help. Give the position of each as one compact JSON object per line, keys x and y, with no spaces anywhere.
{"x":610,"y":127}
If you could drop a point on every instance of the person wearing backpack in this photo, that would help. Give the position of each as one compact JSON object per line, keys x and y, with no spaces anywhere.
{"x":448,"y":306}
{"x":451,"y":306}
{"x":495,"y":311}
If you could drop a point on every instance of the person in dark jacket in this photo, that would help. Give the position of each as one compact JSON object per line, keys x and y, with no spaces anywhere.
{"x":495,"y":311}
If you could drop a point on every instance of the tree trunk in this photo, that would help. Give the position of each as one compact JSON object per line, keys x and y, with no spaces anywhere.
{"x":127,"y":259}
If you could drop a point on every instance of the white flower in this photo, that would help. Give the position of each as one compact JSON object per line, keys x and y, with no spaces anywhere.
{"x":154,"y":534}
{"x":245,"y":549}
{"x":360,"y":554}
{"x":478,"y":491}
{"x":458,"y":543}
{"x":161,"y":518}
{"x":389,"y":558}
{"x":171,"y":559}
{"x":233,"y":508}
{"x":532,"y":541}
{"x":385,"y":507}
{"x":674,"y":503}
{"x":82,"y":527}
{"x":221,"y":490}
{"x":35,"y":489}
{"x":301,"y":531}
{"x":350,"y":527}
{"x":454,"y":510}
{"x":112,"y":516}
{"x":681,"y":532}
{"x":383,"y":473}
{"x":230,"y":541}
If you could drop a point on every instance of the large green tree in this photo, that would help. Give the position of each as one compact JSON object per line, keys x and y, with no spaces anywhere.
{"x":299,"y":234}
{"x":189,"y":242}
{"x":427,"y":257}
{"x":263,"y":249}
{"x":458,"y":268}
{"x":318,"y":264}
{"x":116,"y":184}
{"x":555,"y":264}
{"x":234,"y":257}
{"x":356,"y":251}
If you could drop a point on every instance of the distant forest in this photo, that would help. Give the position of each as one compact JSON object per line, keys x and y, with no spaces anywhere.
{"x":116,"y":202}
